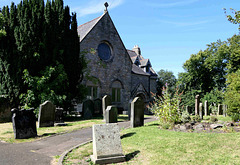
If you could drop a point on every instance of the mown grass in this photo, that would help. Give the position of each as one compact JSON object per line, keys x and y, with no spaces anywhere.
{"x":150,"y":145}
{"x":73,"y":123}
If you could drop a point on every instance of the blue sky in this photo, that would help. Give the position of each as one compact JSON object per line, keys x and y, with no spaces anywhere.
{"x":167,"y":31}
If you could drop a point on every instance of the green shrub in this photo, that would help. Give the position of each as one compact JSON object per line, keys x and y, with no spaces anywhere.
{"x":166,"y":108}
{"x":213,"y":118}
{"x":235,"y":117}
{"x":196,"y":118}
{"x":232,"y":95}
{"x":185,"y":117}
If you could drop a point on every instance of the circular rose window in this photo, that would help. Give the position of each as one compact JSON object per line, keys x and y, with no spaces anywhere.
{"x":104,"y":51}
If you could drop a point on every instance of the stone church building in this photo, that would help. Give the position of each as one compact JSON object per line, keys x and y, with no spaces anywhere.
{"x":112,"y":69}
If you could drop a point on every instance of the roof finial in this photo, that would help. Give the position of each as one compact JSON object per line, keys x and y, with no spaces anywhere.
{"x":106,"y":5}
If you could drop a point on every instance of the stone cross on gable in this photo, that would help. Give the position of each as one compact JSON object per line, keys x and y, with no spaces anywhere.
{"x":106,"y":5}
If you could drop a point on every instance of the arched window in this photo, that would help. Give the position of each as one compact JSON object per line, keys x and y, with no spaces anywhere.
{"x":93,"y":86}
{"x":104,"y":51}
{"x":116,"y":91}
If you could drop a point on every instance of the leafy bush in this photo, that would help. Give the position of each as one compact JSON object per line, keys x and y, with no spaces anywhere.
{"x":166,"y":108}
{"x":235,"y":117}
{"x":185,"y":117}
{"x":232,"y":94}
{"x":196,"y":118}
{"x":213,"y":118}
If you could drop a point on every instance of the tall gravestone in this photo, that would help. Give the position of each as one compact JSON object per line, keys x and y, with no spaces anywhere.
{"x":224,"y":110}
{"x":206,"y":110}
{"x":200,"y":111}
{"x":24,"y":123}
{"x":187,"y":109}
{"x":137,"y":112}
{"x":111,"y":114}
{"x":220,"y":109}
{"x":197,"y":100}
{"x":97,"y":106}
{"x":106,"y":101}
{"x":88,"y":109}
{"x":107,"y":146}
{"x":46,"y":115}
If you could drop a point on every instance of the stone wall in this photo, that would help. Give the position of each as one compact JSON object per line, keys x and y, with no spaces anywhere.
{"x":140,"y":79}
{"x":117,"y":69}
{"x":153,"y":85}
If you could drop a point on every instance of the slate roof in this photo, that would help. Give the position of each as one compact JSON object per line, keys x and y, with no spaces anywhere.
{"x":137,"y":70}
{"x":84,"y":29}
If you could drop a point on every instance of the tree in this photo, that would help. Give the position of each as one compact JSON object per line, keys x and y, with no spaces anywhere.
{"x":2,"y":31}
{"x":232,"y":94}
{"x":166,"y":77}
{"x":235,"y":17}
{"x":42,"y":42}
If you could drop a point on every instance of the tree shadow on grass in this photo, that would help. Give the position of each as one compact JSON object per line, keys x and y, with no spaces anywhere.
{"x":131,"y":155}
{"x":128,"y":135}
{"x":153,"y":124}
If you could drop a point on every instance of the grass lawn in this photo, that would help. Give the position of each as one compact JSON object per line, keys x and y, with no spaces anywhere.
{"x":153,"y":146}
{"x":7,"y":135}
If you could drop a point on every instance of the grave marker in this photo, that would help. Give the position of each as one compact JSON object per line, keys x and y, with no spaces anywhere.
{"x":24,"y":123}
{"x":111,"y":114}
{"x":137,"y":112}
{"x":46,"y":115}
{"x":106,"y":101}
{"x":107,"y":146}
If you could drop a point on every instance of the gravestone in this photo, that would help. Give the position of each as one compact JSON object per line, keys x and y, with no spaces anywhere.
{"x":46,"y":115}
{"x":187,"y":109}
{"x":206,"y":110}
{"x":200,"y":111}
{"x":24,"y":123}
{"x":224,"y":110}
{"x":220,"y":109}
{"x":88,"y":109}
{"x":59,"y":117}
{"x":137,"y":112}
{"x":197,"y":100}
{"x":111,"y":114}
{"x":97,"y":106}
{"x":107,"y":146}
{"x":106,"y":101}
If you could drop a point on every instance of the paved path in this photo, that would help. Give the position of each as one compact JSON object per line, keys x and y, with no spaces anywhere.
{"x":41,"y":152}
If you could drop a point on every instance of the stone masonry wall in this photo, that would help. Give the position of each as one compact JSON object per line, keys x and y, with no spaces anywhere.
{"x":107,"y":72}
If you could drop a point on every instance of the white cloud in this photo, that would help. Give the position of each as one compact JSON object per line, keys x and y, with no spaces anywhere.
{"x":95,"y":6}
{"x":173,"y":4}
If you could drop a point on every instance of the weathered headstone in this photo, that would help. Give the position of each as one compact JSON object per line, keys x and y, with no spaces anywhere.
{"x":106,"y":101}
{"x":206,"y":110}
{"x":224,"y":110}
{"x":24,"y":123}
{"x":46,"y":115}
{"x":88,"y":109}
{"x":97,"y":106}
{"x":59,"y":117}
{"x":111,"y":114}
{"x":220,"y":109}
{"x":200,"y":111}
{"x":187,"y":109}
{"x":107,"y":146}
{"x":197,"y":100}
{"x":137,"y":112}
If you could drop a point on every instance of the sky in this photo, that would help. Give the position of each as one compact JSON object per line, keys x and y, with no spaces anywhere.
{"x":167,"y":31}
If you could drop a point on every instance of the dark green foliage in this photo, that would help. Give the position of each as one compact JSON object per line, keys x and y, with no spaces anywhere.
{"x":232,"y":94}
{"x":166,"y":77}
{"x":40,"y":36}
